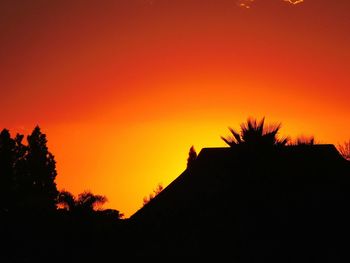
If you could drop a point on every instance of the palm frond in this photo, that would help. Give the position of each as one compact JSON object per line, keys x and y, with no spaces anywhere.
{"x":236,"y":135}
{"x":66,"y":200}
{"x":229,"y":141}
{"x":89,"y":201}
{"x":283,"y":141}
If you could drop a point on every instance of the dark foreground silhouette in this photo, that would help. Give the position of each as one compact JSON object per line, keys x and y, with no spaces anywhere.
{"x":283,"y":204}
{"x":258,"y":201}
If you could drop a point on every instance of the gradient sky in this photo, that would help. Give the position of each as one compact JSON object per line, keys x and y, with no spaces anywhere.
{"x":123,"y":88}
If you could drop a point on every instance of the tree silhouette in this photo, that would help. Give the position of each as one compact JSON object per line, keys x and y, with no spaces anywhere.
{"x":13,"y":172}
{"x":192,"y":156}
{"x":41,"y":173}
{"x":255,"y":133}
{"x":22,"y":178}
{"x":27,"y":179}
{"x":7,"y":164}
{"x":86,"y":201}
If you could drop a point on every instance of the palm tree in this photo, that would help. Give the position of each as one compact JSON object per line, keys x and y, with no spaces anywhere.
{"x":255,"y":133}
{"x":86,"y":201}
{"x":86,"y":204}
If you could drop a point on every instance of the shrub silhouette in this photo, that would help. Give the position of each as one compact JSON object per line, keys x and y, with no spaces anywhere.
{"x":254,"y":133}
{"x":111,"y":213}
{"x":304,"y":140}
{"x":344,"y":150}
{"x":192,"y":156}
{"x":156,"y":191}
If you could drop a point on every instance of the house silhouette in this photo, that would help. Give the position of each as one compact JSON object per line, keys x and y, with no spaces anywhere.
{"x":282,"y":204}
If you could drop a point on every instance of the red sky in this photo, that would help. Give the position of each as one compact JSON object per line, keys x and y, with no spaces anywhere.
{"x":123,"y":88}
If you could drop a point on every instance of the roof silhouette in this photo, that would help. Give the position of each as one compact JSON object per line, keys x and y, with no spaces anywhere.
{"x":259,"y":201}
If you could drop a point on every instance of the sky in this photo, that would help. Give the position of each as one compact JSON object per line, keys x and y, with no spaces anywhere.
{"x":124,"y":88}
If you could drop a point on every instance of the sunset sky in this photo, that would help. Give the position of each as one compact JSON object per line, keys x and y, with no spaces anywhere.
{"x":123,"y":88}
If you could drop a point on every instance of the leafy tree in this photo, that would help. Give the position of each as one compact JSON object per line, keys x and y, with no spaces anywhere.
{"x":20,"y":169}
{"x":255,"y":133}
{"x":41,"y":173}
{"x":7,"y":164}
{"x":27,"y":178}
{"x":192,"y":156}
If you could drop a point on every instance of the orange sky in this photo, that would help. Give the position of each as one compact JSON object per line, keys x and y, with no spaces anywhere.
{"x":123,"y":88}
